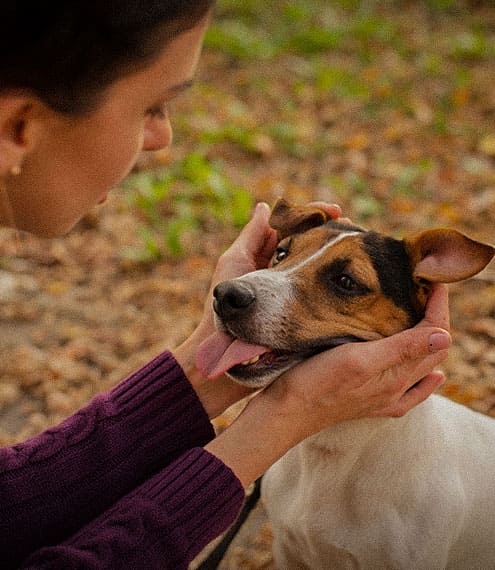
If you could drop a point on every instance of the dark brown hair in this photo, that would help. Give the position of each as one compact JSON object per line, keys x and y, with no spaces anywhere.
{"x":67,"y":53}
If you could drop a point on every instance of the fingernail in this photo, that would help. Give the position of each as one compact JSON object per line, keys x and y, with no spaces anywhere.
{"x":439,"y":341}
{"x":441,"y":378}
{"x":261,"y":206}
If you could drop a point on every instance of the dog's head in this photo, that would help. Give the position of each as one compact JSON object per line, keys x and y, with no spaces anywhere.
{"x":327,"y":284}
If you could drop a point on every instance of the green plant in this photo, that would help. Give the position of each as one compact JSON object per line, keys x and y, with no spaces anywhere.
{"x":342,"y":82}
{"x":178,"y":201}
{"x":355,"y":189}
{"x":471,"y":45}
{"x":407,"y":181}
{"x":239,"y":41}
{"x":314,"y":40}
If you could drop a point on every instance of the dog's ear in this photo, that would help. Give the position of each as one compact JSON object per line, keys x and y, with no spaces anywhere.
{"x":288,"y":219}
{"x":446,"y":255}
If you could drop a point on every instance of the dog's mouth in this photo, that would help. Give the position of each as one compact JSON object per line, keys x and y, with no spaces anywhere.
{"x":252,"y":364}
{"x":266,"y":363}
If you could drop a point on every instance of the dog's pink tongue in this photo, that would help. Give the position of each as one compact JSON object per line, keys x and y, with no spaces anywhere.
{"x":219,"y":352}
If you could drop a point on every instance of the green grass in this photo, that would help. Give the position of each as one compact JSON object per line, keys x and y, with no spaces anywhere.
{"x":178,"y":201}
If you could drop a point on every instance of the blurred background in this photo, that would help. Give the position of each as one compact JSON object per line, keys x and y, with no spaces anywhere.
{"x":387,"y":108}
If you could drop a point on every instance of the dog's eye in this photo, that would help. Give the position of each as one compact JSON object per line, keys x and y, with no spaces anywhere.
{"x":346,"y":282}
{"x":339,"y":277}
{"x":280,"y":254}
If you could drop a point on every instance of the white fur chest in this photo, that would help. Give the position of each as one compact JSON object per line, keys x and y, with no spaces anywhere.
{"x":388,"y":493}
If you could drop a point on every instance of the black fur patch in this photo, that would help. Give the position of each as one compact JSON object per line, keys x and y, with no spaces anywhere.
{"x":393,"y":268}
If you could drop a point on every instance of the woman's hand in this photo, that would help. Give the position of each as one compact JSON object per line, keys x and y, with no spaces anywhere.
{"x":252,"y":250}
{"x":386,"y":377}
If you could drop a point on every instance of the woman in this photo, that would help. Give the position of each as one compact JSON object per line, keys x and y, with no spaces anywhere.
{"x":137,"y":479}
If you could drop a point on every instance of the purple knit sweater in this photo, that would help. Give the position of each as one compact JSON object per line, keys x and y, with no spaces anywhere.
{"x":124,"y":483}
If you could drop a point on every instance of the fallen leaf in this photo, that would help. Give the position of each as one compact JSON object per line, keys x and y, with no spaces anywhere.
{"x":486,"y":144}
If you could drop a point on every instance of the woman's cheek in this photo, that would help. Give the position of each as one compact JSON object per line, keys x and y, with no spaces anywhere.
{"x":126,"y":159}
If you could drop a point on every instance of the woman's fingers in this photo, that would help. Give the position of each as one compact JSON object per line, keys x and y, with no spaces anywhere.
{"x":251,"y":250}
{"x":412,"y":352}
{"x":333,"y":210}
{"x":437,"y":308}
{"x":254,"y":235}
{"x":415,"y":395}
{"x":386,"y":377}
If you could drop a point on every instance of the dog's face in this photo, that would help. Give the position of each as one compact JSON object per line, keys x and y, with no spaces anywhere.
{"x":328,"y":284}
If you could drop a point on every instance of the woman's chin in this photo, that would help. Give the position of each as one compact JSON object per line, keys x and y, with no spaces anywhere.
{"x":47,"y":228}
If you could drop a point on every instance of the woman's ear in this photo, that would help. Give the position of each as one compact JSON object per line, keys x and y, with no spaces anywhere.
{"x":17,"y":131}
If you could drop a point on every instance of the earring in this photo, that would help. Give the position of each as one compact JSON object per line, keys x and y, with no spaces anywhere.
{"x":15,"y":170}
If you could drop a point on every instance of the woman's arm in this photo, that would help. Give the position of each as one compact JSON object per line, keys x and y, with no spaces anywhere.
{"x":162,"y":525}
{"x":55,"y":483}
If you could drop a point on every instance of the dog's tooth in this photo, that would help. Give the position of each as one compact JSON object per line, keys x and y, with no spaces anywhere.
{"x":250,"y":361}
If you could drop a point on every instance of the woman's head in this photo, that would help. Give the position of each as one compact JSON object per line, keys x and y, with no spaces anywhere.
{"x":67,"y":53}
{"x":83,"y":96}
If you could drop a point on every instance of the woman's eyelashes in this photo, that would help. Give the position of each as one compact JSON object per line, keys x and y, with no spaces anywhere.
{"x":161,"y":110}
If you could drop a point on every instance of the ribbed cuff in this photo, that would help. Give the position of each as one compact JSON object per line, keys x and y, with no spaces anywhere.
{"x":160,"y":395}
{"x":201,"y":496}
{"x":163,"y":524}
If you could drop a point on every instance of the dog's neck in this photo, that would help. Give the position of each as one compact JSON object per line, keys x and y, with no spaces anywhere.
{"x":344,"y":442}
{"x":347,"y":439}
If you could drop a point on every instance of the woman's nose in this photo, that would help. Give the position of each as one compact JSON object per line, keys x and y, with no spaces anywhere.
{"x":157,"y":133}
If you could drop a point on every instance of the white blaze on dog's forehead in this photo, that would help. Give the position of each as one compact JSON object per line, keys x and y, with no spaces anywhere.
{"x":277,"y":282}
{"x":321,"y":251}
{"x":274,"y":283}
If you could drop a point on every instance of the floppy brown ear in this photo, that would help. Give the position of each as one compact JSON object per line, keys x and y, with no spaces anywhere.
{"x":446,"y":255}
{"x":289,"y":219}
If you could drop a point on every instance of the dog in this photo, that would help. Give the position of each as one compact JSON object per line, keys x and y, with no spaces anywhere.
{"x":416,"y":492}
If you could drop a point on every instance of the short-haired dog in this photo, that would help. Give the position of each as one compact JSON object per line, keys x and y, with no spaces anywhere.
{"x":416,"y":492}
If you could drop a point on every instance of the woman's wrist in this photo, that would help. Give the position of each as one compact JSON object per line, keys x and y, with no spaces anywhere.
{"x":215,"y":395}
{"x":259,"y":437}
{"x":184,"y":355}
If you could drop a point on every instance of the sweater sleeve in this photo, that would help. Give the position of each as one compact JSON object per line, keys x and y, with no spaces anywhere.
{"x":55,"y":483}
{"x":162,"y":525}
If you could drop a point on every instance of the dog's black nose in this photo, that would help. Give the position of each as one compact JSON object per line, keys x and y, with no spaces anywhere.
{"x":231,"y":298}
